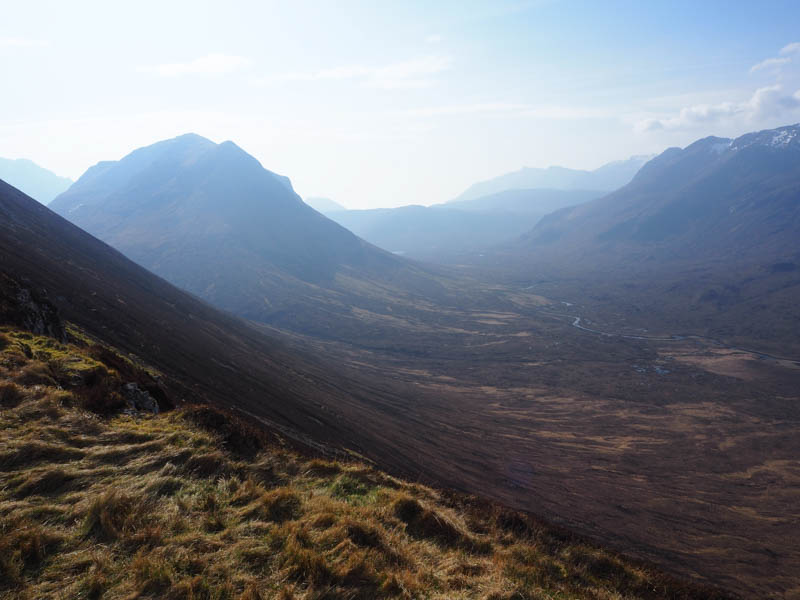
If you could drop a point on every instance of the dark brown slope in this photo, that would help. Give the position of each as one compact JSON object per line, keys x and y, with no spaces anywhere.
{"x":219,"y":358}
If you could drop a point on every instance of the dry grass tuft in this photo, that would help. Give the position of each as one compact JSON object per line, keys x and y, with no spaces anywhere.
{"x":35,"y":373}
{"x":24,"y":547}
{"x":46,"y":482}
{"x":112,"y":515}
{"x":276,"y":505}
{"x":208,"y":465}
{"x":322,"y":468}
{"x":10,"y":395}
{"x":422,"y":522}
{"x":35,"y":452}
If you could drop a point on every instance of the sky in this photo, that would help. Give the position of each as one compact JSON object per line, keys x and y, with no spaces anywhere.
{"x":392,"y":103}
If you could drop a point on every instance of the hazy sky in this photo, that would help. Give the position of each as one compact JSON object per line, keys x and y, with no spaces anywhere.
{"x":388,"y":103}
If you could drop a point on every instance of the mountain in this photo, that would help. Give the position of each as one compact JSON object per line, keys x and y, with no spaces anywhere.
{"x":446,"y":233}
{"x":704,"y":239}
{"x":323,"y":205}
{"x":605,"y":178}
{"x":731,"y":199}
{"x":32,"y":179}
{"x":210,"y":219}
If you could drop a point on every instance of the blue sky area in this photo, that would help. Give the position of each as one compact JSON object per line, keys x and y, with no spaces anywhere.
{"x":391,"y":103}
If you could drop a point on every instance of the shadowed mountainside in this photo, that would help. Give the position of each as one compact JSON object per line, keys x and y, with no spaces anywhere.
{"x":214,"y":356}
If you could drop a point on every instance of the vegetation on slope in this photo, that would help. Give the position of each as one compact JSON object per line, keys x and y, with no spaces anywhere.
{"x":192,"y":503}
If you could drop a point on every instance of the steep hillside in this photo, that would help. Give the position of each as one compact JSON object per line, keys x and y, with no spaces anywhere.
{"x":210,"y":219}
{"x":606,"y":178}
{"x":37,"y":182}
{"x":211,"y":355}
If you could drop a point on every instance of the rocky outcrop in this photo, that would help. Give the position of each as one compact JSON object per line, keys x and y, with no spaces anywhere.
{"x":29,"y":309}
{"x":139,"y":399}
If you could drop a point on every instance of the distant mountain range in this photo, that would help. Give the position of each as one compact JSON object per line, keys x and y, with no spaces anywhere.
{"x":450,"y":232}
{"x":36,"y":181}
{"x":210,"y":219}
{"x":487,"y":214}
{"x":605,"y":179}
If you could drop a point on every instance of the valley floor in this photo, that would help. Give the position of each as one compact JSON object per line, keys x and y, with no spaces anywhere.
{"x":681,"y":451}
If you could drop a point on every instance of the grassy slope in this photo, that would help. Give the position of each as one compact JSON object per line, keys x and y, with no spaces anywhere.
{"x":189,"y":504}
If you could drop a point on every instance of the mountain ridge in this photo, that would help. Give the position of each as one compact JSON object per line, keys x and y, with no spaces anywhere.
{"x":605,"y":178}
{"x":690,"y":195}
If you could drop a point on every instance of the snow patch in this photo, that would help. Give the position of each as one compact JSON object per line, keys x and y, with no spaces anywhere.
{"x":783,"y":138}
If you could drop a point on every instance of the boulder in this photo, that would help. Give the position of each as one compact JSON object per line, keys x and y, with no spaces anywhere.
{"x":139,"y":399}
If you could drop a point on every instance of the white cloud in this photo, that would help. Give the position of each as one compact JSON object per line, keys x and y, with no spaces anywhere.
{"x":770,"y":63}
{"x":21,"y":42}
{"x":434,"y":38}
{"x":777,"y":62}
{"x":211,"y":64}
{"x":791,"y":48}
{"x":765,"y":102}
{"x":412,"y":73}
